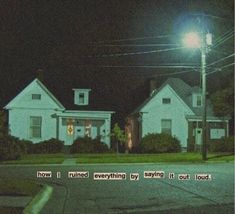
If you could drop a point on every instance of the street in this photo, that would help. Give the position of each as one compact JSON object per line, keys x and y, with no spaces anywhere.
{"x":146,"y":195}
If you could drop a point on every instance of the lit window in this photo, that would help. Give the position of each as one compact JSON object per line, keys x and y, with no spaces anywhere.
{"x":166,"y":126}
{"x":36,"y":96}
{"x":166,"y":100}
{"x":35,"y":127}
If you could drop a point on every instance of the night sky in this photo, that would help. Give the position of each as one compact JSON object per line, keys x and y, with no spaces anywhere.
{"x":110,"y":46}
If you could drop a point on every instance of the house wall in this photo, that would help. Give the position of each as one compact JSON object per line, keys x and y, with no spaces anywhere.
{"x":154,"y":111}
{"x":19,"y":123}
{"x":132,"y":131}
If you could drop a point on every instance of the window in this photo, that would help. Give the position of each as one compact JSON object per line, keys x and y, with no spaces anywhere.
{"x":36,"y":96}
{"x":199,"y":100}
{"x":166,"y":100}
{"x":81,"y":98}
{"x":166,"y":126}
{"x":35,"y":127}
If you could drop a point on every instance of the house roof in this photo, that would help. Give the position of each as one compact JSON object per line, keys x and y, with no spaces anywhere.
{"x":43,"y":87}
{"x":64,"y":96}
{"x":184,"y":91}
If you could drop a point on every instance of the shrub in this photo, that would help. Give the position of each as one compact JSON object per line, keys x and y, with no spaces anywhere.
{"x":11,"y":148}
{"x":225,"y":144}
{"x":159,"y":143}
{"x":48,"y":146}
{"x":88,"y":145}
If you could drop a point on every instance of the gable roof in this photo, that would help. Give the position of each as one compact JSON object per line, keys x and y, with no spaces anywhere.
{"x":43,"y":87}
{"x":184,"y":91}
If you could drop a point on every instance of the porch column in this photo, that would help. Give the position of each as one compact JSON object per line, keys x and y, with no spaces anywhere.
{"x":107,"y":132}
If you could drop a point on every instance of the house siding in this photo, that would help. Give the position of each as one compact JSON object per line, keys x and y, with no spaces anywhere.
{"x":155,"y":111}
{"x":19,"y":123}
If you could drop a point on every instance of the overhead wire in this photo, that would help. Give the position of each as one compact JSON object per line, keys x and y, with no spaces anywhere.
{"x":135,"y":53}
{"x":136,"y":45}
{"x":220,"y":60}
{"x":134,"y":39}
{"x":220,"y":69}
{"x":223,"y":39}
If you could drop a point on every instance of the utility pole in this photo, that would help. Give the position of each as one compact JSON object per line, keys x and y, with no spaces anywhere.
{"x":205,"y":47}
{"x":203,"y":74}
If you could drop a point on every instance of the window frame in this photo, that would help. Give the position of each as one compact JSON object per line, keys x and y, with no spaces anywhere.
{"x":166,"y":99}
{"x":36,"y":96}
{"x":198,"y":100}
{"x":33,"y":127}
{"x":164,"y":129}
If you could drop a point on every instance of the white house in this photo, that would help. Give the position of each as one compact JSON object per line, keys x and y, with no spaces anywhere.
{"x":175,"y":108}
{"x":35,"y":114}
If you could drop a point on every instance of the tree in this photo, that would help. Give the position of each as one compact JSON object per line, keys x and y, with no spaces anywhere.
{"x":3,"y":124}
{"x":223,"y":101}
{"x":119,"y":136}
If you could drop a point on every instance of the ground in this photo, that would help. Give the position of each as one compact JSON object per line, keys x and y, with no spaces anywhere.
{"x":73,"y":195}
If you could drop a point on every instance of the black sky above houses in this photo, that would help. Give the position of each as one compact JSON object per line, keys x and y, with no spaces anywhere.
{"x":76,"y":43}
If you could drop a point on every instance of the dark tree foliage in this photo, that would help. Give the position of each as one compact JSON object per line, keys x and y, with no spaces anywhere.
{"x":223,"y":101}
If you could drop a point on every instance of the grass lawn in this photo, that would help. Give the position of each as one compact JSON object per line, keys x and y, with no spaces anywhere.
{"x":38,"y":159}
{"x":17,"y":187}
{"x":151,"y":158}
{"x":11,"y":210}
{"x":122,"y":158}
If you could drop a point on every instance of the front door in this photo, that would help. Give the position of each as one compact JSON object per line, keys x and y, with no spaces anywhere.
{"x":198,"y":136}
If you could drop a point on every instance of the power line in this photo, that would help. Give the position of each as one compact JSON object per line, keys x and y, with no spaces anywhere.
{"x":136,"y":53}
{"x":220,"y":60}
{"x":149,"y":66}
{"x":137,"y":38}
{"x":223,"y":39}
{"x":175,"y":73}
{"x":136,"y":45}
{"x":228,"y":32}
{"x":220,"y":69}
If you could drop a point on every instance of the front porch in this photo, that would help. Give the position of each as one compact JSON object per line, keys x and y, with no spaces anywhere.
{"x":215,"y":130}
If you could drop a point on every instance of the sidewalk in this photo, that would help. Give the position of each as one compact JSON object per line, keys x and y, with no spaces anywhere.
{"x":69,"y":161}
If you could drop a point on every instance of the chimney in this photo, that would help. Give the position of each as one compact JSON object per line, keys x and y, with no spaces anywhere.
{"x":152,"y":86}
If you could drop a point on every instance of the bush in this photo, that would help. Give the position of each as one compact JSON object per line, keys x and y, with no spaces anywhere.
{"x":11,"y":148}
{"x":158,"y":143}
{"x":88,"y":145}
{"x":225,"y":144}
{"x":48,"y":146}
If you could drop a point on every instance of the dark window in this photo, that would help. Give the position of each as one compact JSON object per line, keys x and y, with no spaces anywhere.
{"x":199,"y":100}
{"x":35,"y":127}
{"x":36,"y":96}
{"x":166,"y":126}
{"x":166,"y":100}
{"x":81,"y":98}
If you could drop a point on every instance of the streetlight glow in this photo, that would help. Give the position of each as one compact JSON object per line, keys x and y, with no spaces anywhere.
{"x":192,"y":40}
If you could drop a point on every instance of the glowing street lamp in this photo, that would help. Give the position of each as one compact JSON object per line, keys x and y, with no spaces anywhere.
{"x":203,"y":42}
{"x":192,"y":40}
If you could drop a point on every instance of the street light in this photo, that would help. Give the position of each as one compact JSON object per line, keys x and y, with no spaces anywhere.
{"x":203,"y":42}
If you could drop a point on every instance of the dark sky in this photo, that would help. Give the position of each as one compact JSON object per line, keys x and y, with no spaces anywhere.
{"x":74,"y":43}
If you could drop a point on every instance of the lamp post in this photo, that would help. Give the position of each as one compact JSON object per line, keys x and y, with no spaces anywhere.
{"x":193,"y":40}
